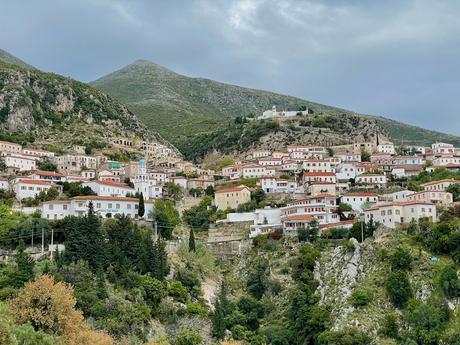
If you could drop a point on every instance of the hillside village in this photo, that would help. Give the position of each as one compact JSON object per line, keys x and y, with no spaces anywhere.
{"x":272,"y":191}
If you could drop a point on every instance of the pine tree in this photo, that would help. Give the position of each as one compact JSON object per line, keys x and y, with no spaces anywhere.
{"x":25,"y":266}
{"x":191,"y":242}
{"x":141,"y":210}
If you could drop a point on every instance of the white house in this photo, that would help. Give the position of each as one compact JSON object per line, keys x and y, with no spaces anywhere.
{"x":19,"y":162}
{"x":270,"y":161}
{"x":346,"y":171}
{"x":318,"y":176}
{"x":439,"y":185}
{"x":9,"y":147}
{"x":105,"y":207}
{"x":273,"y":113}
{"x":38,"y":153}
{"x":108,"y":188}
{"x":181,"y":181}
{"x":388,"y":148}
{"x":399,"y":213}
{"x":396,"y":196}
{"x":4,"y":185}
{"x":256,"y":171}
{"x":317,"y":165}
{"x":47,"y":176}
{"x":358,"y":200}
{"x":440,"y":148}
{"x":271,"y":184}
{"x":261,"y":153}
{"x":26,"y":188}
{"x":372,"y":179}
{"x":299,"y":214}
{"x":433,"y":196}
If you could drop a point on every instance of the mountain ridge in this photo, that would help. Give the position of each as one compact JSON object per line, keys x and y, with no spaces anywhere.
{"x":182,"y":107}
{"x":51,"y":111}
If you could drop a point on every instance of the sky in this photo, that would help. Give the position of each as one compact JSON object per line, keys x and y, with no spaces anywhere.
{"x":395,"y":58}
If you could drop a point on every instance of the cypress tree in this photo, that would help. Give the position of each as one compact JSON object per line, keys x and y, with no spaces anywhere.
{"x":25,"y":266}
{"x":191,"y":242}
{"x":141,"y":210}
{"x":221,"y":310}
{"x":160,"y":266}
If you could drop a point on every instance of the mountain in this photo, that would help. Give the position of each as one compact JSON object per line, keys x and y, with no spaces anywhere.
{"x":181,"y":107}
{"x":50,"y":111}
{"x":13,"y":60}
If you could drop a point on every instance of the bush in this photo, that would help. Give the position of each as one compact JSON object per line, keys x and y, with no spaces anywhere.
{"x":347,"y":336}
{"x":398,"y":288}
{"x":360,"y":298}
{"x":448,"y":282}
{"x":400,"y":259}
{"x":389,"y":327}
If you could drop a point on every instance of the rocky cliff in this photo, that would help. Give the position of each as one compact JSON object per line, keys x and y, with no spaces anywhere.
{"x":57,"y":112}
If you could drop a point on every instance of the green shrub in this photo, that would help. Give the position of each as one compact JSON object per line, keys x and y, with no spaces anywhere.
{"x":400,"y":259}
{"x":398,"y":288}
{"x":361,"y":297}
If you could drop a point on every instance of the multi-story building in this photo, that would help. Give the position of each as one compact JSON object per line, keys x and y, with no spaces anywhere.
{"x":394,"y":214}
{"x":440,"y":148}
{"x":27,"y":188}
{"x":433,"y":196}
{"x":18,"y":162}
{"x":378,"y":180}
{"x":358,"y":200}
{"x":317,"y":165}
{"x":104,"y":206}
{"x":74,"y":164}
{"x":261,"y":153}
{"x":256,"y":171}
{"x":107,"y":188}
{"x":38,"y":153}
{"x":299,"y":214}
{"x":317,"y":176}
{"x":271,"y":184}
{"x":232,"y":197}
{"x":47,"y":176}
{"x":439,"y":185}
{"x":388,"y":148}
{"x":8,"y":147}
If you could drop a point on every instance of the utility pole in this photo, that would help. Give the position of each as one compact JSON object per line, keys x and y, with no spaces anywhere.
{"x":52,"y":242}
{"x":33,"y":228}
{"x":43,"y":240}
{"x":362,"y":230}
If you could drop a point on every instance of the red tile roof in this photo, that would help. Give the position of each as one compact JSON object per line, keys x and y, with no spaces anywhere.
{"x":301,"y":217}
{"x":47,"y":173}
{"x":318,"y":173}
{"x":234,"y":189}
{"x":95,"y":197}
{"x":41,"y":182}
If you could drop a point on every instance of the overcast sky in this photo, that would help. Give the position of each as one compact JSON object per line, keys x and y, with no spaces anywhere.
{"x":395,"y":58}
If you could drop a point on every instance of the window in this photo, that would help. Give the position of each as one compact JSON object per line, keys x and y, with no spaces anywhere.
{"x":117,"y":206}
{"x":110,"y":205}
{"x":64,"y":207}
{"x":51,"y":207}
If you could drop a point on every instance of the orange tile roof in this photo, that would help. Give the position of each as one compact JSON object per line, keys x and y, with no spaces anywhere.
{"x":399,"y":203}
{"x":95,"y":197}
{"x":361,"y":194}
{"x":47,"y":173}
{"x":300,"y":217}
{"x":318,"y":173}
{"x":41,"y":182}
{"x":234,"y":189}
{"x":338,"y":224}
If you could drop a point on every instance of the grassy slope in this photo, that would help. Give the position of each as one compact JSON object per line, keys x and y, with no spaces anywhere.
{"x":178,"y":106}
